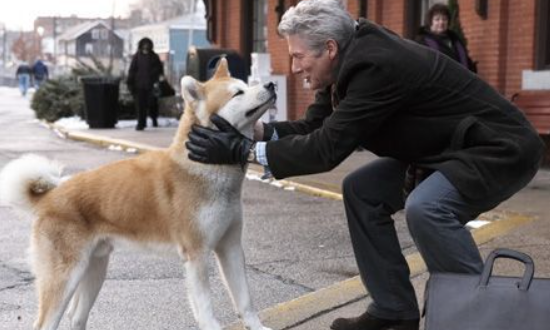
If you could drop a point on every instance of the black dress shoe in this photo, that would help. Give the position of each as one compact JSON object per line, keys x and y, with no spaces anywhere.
{"x":139,"y":128}
{"x":155,"y":123}
{"x":369,"y":322}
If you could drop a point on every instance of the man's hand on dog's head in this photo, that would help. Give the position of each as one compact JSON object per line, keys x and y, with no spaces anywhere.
{"x":226,"y":146}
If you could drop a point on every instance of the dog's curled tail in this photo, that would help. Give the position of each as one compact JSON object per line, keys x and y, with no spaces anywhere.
{"x":25,"y":180}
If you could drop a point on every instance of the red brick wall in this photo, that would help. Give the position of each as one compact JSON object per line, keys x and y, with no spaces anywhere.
{"x":521,"y":43}
{"x":393,"y":15}
{"x":375,"y":11}
{"x":231,"y":30}
{"x":503,"y":44}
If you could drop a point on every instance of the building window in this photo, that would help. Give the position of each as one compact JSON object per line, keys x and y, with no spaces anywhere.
{"x":414,"y":14}
{"x":104,"y":34}
{"x":362,"y":6}
{"x":543,"y":36}
{"x":260,"y":26}
{"x":89,"y":48}
{"x":95,"y":34}
{"x":211,"y":20}
{"x":71,"y":49}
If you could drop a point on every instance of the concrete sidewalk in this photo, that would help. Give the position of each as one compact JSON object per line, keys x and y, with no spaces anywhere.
{"x":520,"y":223}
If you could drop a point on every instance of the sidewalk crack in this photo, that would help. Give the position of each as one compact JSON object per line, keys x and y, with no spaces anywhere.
{"x":281,"y":279}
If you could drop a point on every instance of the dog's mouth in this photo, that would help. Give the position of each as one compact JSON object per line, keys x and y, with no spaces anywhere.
{"x":250,"y":113}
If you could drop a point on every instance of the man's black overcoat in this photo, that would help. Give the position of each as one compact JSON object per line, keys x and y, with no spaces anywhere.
{"x":402,"y":100}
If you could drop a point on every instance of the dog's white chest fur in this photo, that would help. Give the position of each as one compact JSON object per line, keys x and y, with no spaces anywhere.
{"x":223,"y":206}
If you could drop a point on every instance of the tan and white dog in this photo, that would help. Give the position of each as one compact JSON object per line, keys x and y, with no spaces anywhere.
{"x":158,"y":199}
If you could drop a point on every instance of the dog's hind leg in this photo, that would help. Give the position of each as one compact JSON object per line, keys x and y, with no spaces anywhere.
{"x":58,"y":273}
{"x":198,"y":288}
{"x":88,"y":289}
{"x":230,"y":257}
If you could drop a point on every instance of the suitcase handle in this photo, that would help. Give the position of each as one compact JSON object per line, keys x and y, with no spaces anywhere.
{"x":510,"y":254}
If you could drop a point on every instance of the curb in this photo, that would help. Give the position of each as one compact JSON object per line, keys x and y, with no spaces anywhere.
{"x":300,"y":310}
{"x":100,"y":141}
{"x":310,"y":190}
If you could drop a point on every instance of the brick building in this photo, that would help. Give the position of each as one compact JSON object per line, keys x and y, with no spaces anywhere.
{"x":510,"y":39}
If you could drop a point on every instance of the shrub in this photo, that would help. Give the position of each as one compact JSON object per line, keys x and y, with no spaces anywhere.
{"x":58,"y":98}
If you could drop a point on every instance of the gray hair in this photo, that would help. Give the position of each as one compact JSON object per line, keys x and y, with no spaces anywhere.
{"x":317,"y":21}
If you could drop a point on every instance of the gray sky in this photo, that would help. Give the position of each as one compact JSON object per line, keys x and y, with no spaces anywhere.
{"x":20,"y":14}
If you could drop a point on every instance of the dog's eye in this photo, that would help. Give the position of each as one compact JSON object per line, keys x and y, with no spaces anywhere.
{"x":241,"y":92}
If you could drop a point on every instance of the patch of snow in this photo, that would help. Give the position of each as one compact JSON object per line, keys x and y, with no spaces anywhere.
{"x":475,"y":224}
{"x":77,"y":123}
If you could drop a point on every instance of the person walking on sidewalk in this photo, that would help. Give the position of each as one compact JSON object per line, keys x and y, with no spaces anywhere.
{"x":450,"y":147}
{"x":40,"y":73}
{"x":143,"y":76}
{"x":23,"y":75}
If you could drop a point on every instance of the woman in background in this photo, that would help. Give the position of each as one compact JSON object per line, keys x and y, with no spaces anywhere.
{"x":437,"y":35}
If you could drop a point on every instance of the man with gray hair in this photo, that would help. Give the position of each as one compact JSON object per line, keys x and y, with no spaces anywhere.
{"x":450,"y":147}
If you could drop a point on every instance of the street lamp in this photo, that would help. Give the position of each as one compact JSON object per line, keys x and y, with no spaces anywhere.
{"x":40,"y":31}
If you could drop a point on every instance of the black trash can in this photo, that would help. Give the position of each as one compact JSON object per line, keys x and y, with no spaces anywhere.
{"x":201,"y":63}
{"x":101,"y":100}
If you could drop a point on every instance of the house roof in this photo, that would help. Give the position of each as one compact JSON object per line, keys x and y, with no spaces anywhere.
{"x":78,"y":30}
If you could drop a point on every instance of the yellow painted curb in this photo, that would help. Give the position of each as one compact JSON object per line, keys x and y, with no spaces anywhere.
{"x":101,"y":141}
{"x":304,"y":188}
{"x":106,"y":141}
{"x":299,"y":310}
{"x":501,"y":227}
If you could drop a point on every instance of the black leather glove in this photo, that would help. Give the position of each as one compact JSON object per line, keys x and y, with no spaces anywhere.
{"x":226,"y":146}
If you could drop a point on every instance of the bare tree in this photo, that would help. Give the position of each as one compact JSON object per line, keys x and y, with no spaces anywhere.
{"x":161,"y":10}
{"x":27,"y":46}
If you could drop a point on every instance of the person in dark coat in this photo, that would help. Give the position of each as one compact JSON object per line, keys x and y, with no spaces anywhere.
{"x":40,"y":73}
{"x":450,"y":147}
{"x":437,"y":35}
{"x":145,"y":71}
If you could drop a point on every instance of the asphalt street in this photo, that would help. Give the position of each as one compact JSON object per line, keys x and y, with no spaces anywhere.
{"x":294,"y":244}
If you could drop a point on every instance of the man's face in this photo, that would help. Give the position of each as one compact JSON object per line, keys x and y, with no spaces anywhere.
{"x":316,"y":69}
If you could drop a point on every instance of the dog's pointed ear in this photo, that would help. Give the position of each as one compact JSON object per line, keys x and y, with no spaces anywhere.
{"x":191,"y":89}
{"x":222,"y":70}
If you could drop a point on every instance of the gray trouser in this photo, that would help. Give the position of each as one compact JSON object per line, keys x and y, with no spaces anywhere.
{"x":436,"y":214}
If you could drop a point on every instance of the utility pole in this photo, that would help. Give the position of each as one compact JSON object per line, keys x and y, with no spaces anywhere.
{"x":54,"y":60}
{"x":4,"y":43}
{"x":111,"y":37}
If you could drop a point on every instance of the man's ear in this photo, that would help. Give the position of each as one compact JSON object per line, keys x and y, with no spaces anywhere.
{"x":191,"y":89}
{"x":332,"y":47}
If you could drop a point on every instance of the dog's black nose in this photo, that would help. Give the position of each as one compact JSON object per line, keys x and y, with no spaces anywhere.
{"x":270,"y":86}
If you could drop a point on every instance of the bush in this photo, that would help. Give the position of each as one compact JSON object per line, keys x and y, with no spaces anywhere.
{"x":63,"y":96}
{"x":58,"y":98}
